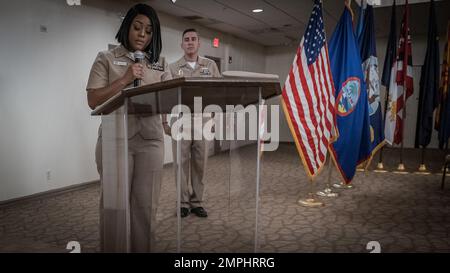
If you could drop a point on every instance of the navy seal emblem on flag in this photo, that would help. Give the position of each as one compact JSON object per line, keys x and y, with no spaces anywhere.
{"x":348,"y":96}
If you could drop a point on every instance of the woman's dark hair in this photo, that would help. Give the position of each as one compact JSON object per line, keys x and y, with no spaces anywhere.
{"x":155,"y":46}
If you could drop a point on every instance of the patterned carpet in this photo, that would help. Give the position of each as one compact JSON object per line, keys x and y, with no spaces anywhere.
{"x":403,"y":212}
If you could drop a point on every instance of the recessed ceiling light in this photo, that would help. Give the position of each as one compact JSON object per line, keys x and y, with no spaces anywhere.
{"x":257,"y":10}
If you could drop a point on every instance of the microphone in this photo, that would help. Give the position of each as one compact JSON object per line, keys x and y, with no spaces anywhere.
{"x":138,"y":58}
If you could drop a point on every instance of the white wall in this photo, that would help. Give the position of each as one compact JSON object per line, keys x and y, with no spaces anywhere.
{"x":246,"y":56}
{"x":45,"y":122}
{"x":44,"y":118}
{"x":279,"y":60}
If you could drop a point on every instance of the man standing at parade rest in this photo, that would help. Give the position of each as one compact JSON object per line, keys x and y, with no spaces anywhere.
{"x":194,"y":153}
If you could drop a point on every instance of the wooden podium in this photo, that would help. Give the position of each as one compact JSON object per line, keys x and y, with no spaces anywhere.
{"x":232,"y":202}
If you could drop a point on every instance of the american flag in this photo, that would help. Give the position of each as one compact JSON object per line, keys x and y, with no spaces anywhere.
{"x":308,"y":95}
{"x":401,"y":86}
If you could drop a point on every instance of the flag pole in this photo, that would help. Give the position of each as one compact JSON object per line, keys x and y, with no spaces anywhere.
{"x":328,"y":191}
{"x":422,"y":167}
{"x":390,"y":48}
{"x":310,"y":201}
{"x":401,"y":166}
{"x":445,"y":154}
{"x":348,"y":3}
{"x":342,"y":185}
{"x":380,"y":166}
{"x":360,"y":167}
{"x":406,"y":33}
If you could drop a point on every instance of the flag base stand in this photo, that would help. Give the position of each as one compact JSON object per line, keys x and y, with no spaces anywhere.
{"x":401,"y":169}
{"x":343,"y":186}
{"x":327,"y":192}
{"x":422,"y":170}
{"x":360,"y":168}
{"x":380,"y":168}
{"x":310,"y":202}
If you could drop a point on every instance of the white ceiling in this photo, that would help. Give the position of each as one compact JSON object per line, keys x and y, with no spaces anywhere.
{"x":283,"y":21}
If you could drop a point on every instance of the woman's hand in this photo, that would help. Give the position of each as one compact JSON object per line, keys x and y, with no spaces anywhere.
{"x":98,"y":96}
{"x":134,"y":71}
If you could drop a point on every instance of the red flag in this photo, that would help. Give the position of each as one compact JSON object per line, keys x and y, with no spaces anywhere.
{"x":308,"y":95}
{"x":404,"y":73}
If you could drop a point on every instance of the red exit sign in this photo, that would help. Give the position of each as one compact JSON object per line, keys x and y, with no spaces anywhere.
{"x":216,"y":42}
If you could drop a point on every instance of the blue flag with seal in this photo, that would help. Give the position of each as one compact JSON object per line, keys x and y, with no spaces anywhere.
{"x":368,"y":52}
{"x":352,"y":108}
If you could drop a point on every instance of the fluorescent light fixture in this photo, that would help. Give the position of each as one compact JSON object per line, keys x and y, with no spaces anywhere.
{"x":257,"y":10}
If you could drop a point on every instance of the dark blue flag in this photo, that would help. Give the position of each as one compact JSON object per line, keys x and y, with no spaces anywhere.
{"x":359,"y":26}
{"x":352,"y":109}
{"x":429,"y":84}
{"x":391,"y":50}
{"x":368,"y":52}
